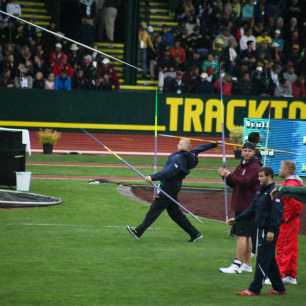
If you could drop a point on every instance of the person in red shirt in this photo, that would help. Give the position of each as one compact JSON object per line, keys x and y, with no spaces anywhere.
{"x":58,"y":56}
{"x":287,"y":243}
{"x":298,"y":87}
{"x":226,"y":85}
{"x":244,"y":183}
{"x":178,"y":53}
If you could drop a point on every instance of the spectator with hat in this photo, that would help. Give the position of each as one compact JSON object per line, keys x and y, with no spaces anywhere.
{"x":58,"y":56}
{"x":74,"y":56}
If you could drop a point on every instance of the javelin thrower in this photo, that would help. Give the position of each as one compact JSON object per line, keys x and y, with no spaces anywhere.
{"x":171,"y":177}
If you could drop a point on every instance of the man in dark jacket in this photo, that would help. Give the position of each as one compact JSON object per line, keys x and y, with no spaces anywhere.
{"x":171,"y":177}
{"x":267,"y":214}
{"x":244,"y":182}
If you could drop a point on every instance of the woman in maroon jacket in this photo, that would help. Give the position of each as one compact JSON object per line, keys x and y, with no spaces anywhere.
{"x":244,"y":183}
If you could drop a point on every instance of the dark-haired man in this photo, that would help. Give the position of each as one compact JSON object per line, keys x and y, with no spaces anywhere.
{"x":244,"y":183}
{"x":268,"y":214}
{"x":171,"y":177}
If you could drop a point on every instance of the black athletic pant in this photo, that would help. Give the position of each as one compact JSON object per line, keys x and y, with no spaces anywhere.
{"x":158,"y":206}
{"x":266,"y":265}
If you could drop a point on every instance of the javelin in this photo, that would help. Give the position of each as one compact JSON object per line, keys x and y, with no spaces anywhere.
{"x":227,"y":143}
{"x":135,"y":170}
{"x":223,"y":145}
{"x":155,"y":136}
{"x":71,"y":40}
{"x":197,"y":139}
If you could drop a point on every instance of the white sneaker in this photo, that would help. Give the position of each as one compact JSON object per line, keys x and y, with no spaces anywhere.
{"x":289,"y":280}
{"x":246,"y":268}
{"x":267,"y":282}
{"x":232,"y":269}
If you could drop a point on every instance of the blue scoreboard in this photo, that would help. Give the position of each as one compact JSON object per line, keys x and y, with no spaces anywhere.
{"x":280,"y":140}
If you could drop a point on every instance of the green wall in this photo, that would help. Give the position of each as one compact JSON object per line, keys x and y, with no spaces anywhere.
{"x":134,"y":111}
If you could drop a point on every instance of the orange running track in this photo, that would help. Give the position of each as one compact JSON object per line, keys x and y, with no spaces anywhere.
{"x":133,"y":144}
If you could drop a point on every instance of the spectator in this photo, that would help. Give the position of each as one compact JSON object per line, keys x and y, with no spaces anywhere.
{"x":6,"y":79}
{"x":249,"y":56}
{"x":89,"y":72}
{"x":63,"y":81}
{"x":87,"y":33}
{"x":246,"y":38}
{"x":13,"y":8}
{"x":248,"y":10}
{"x":74,"y":56}
{"x":236,"y":9}
{"x":23,"y":79}
{"x":87,"y":9}
{"x":165,"y":77}
{"x":107,"y":75}
{"x":78,"y":80}
{"x":58,"y":68}
{"x":39,"y":81}
{"x":50,"y":82}
{"x":167,"y":36}
{"x":227,"y":85}
{"x":264,"y":38}
{"x":230,"y":56}
{"x":204,"y":87}
{"x":275,"y":73}
{"x":178,"y":53}
{"x":289,"y":74}
{"x":277,"y":40}
{"x":145,"y":42}
{"x":284,"y":89}
{"x":294,"y":55}
{"x":111,"y":8}
{"x":224,"y":39}
{"x":159,"y":48}
{"x":210,"y":66}
{"x":99,"y":18}
{"x":58,"y":56}
{"x":104,"y":82}
{"x":298,"y":87}
{"x":39,"y":65}
{"x":262,"y":82}
{"x":175,"y":85}
{"x":245,"y":85}
{"x":192,"y":79}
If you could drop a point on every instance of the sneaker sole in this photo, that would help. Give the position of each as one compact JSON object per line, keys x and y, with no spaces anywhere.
{"x":196,"y":239}
{"x":235,"y":272}
{"x":129,"y":229}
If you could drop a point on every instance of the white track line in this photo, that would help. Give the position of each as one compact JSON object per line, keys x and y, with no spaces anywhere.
{"x":124,"y":153}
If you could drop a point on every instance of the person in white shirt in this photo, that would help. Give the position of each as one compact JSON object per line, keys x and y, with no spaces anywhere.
{"x":247,"y":36}
{"x":13,"y":8}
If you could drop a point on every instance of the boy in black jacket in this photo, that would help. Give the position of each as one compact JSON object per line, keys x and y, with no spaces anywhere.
{"x":267,"y":214}
{"x":171,"y":177}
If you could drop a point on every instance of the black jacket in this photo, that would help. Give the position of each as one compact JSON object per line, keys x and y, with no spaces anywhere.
{"x":180,"y":163}
{"x":267,"y":212}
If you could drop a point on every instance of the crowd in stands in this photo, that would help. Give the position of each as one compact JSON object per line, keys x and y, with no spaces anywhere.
{"x":29,"y":59}
{"x":248,"y":47}
{"x":98,"y":20}
{"x":251,"y":47}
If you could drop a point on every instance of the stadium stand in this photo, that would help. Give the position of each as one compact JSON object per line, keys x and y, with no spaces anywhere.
{"x":256,"y":47}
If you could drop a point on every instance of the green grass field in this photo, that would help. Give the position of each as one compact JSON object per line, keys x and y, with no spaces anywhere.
{"x":79,"y":253}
